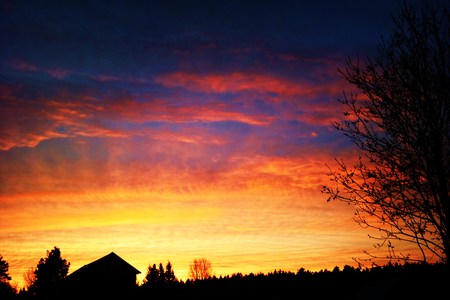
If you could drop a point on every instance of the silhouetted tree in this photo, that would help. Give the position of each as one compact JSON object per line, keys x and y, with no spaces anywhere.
{"x":401,"y":183}
{"x":161,"y":274}
{"x":152,"y":275}
{"x":29,"y":277}
{"x":49,"y":271}
{"x":6,"y":290}
{"x":4,"y":269}
{"x":169,"y":274}
{"x":158,"y":276}
{"x":200,"y":269}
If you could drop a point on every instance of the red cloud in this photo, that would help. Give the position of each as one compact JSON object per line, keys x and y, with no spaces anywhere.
{"x":28,"y":122}
{"x":184,"y":110}
{"x":31,"y":121}
{"x":235,"y":83}
{"x":104,"y":78}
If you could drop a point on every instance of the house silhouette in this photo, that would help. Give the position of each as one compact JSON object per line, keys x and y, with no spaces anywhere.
{"x":109,"y":275}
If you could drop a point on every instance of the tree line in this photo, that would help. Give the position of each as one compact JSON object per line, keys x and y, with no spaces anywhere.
{"x":393,"y":279}
{"x":200,"y":269}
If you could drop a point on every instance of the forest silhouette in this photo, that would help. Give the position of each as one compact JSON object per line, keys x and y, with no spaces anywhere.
{"x":390,"y":281}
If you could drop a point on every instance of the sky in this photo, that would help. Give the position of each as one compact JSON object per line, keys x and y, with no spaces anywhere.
{"x":173,"y":130}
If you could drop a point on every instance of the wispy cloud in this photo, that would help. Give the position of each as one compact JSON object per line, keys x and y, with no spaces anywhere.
{"x":27,"y":121}
{"x":23,"y":66}
{"x":236,"y":82}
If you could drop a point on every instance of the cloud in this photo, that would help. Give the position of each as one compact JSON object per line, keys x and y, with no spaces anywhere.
{"x":23,"y":66}
{"x":105,"y":78}
{"x":196,"y":158}
{"x":313,"y":103}
{"x":197,"y":132}
{"x":234,"y":83}
{"x":257,"y":99}
{"x":62,"y":73}
{"x":58,"y":73}
{"x":183,"y":109}
{"x":27,"y":121}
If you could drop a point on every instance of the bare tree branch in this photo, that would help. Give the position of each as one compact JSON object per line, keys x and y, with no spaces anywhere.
{"x":400,"y":185}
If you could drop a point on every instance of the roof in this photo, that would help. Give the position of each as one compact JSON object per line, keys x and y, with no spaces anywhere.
{"x":110,"y":262}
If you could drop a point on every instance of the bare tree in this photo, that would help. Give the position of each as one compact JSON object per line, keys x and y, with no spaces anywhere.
{"x":401,"y":183}
{"x":29,"y":277}
{"x":200,"y":269}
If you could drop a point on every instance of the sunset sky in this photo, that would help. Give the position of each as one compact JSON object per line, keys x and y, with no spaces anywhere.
{"x":173,"y":130}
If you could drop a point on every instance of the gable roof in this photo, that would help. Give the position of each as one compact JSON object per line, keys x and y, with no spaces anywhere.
{"x":109,"y":263}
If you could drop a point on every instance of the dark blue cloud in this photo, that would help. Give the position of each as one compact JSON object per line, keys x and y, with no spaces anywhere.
{"x":152,"y":36}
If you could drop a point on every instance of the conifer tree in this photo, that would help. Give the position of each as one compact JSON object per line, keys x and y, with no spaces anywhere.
{"x":4,"y":269}
{"x":152,"y":275}
{"x":169,"y":274}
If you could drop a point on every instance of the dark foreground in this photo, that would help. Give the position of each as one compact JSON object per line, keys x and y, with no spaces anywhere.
{"x":410,"y":281}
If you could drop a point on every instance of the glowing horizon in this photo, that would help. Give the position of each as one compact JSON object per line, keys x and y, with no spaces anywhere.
{"x":235,"y":237}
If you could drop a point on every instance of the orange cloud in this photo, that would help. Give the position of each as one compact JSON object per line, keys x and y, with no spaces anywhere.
{"x":28,"y":122}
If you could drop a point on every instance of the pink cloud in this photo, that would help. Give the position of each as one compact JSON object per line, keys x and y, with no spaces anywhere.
{"x":313,"y":103}
{"x":184,"y":110}
{"x":28,"y":122}
{"x":58,"y":73}
{"x":69,"y":114}
{"x":23,"y":66}
{"x":234,"y":83}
